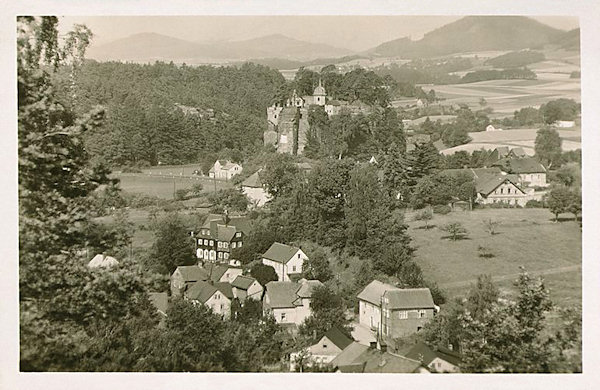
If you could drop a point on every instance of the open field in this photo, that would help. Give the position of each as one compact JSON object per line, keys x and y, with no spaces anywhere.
{"x":506,"y":96}
{"x":525,"y":138}
{"x":165,"y":186}
{"x":526,"y":237}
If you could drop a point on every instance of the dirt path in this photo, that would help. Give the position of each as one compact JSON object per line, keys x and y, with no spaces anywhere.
{"x":466,"y":283}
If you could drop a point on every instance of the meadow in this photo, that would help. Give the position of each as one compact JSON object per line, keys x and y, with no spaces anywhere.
{"x":525,"y":238}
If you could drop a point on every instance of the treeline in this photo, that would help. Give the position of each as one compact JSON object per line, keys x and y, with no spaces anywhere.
{"x":516,"y":59}
{"x":143,"y":123}
{"x":493,"y":74}
{"x":548,"y":113}
{"x":426,"y":71}
{"x":358,"y":84}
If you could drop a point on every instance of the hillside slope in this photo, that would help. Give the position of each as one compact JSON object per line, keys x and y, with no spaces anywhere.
{"x":474,"y":33}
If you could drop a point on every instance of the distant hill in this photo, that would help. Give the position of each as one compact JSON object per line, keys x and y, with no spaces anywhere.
{"x":474,"y":33}
{"x":149,"y":47}
{"x":570,"y":40}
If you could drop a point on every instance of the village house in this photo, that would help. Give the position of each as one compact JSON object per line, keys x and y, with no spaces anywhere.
{"x":324,"y":349}
{"x":184,"y":276}
{"x":216,"y":296}
{"x":287,"y":261}
{"x":246,"y":287}
{"x":224,"y":169}
{"x":369,"y":304}
{"x":530,"y":172}
{"x":405,"y":311}
{"x":223,"y":273}
{"x":255,"y":190}
{"x":289,"y":302}
{"x":217,"y":238}
{"x":358,"y":358}
{"x":437,"y":359}
{"x":492,"y":185}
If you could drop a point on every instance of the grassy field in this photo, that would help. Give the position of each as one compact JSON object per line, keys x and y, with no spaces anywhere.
{"x":506,"y":96}
{"x":525,"y":138}
{"x":526,"y":237}
{"x":164,"y":186}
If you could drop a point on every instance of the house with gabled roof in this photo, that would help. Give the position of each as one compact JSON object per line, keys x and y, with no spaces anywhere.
{"x":219,"y":236}
{"x":529,"y":171}
{"x":254,"y":188}
{"x":289,"y":302}
{"x":437,"y":359}
{"x":405,"y":311}
{"x":184,"y":276}
{"x":216,"y":296}
{"x":223,"y":273}
{"x":288,"y":261}
{"x":224,"y":169}
{"x":358,"y":358}
{"x":369,"y":304}
{"x":246,"y":287}
{"x":323,"y":350}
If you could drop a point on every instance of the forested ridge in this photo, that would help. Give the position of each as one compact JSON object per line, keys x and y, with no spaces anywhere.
{"x":143,"y":124}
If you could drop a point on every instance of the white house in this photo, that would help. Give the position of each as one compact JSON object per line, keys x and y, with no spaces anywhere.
{"x":287,"y":261}
{"x":289,"y":302}
{"x":491,"y":128}
{"x":216,"y":296}
{"x":369,"y":304}
{"x":564,"y":124}
{"x":255,"y":190}
{"x":246,"y":287}
{"x":531,"y":173}
{"x":224,"y":169}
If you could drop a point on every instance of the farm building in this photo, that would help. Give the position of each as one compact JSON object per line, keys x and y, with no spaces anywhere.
{"x":287,"y":261}
{"x":224,"y":169}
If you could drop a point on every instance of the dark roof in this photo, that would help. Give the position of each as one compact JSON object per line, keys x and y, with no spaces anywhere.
{"x":282,"y":294}
{"x":520,"y":165}
{"x":289,"y":294}
{"x":225,"y":233}
{"x":487,"y":185}
{"x":201,"y":291}
{"x":253,"y":181}
{"x":378,"y":362}
{"x":350,"y":354}
{"x":225,"y":289}
{"x":216,"y":271}
{"x":338,"y":338}
{"x":409,"y":298}
{"x":372,"y":361}
{"x":280,"y":253}
{"x":243,"y":282}
{"x":426,"y":354}
{"x":160,"y":300}
{"x":374,"y":291}
{"x":192,"y":273}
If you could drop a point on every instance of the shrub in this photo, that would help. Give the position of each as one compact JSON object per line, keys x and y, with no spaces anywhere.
{"x":181,"y":194}
{"x":456,"y":230}
{"x":485,"y":252}
{"x":442,"y":209}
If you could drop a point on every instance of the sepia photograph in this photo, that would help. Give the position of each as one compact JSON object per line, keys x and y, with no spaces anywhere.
{"x":298,"y":194}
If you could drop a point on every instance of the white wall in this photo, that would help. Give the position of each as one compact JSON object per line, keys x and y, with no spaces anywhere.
{"x":369,"y":315}
{"x":258,"y":196}
{"x":220,"y":304}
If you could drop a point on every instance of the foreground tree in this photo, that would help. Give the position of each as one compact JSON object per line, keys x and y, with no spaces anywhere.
{"x":66,"y":309}
{"x":455,"y":229}
{"x":559,"y":199}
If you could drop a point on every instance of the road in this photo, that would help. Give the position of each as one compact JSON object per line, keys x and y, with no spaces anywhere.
{"x":467,"y":283}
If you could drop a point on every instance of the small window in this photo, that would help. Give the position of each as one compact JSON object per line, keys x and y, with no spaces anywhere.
{"x":233,"y":245}
{"x":502,"y":190}
{"x":402,"y":314}
{"x":217,"y":296}
{"x":239,"y":244}
{"x":293,"y":268}
{"x":211,"y":243}
{"x":220,"y":255}
{"x":221,"y":307}
{"x":205,"y":242}
{"x":298,"y":255}
{"x":220,"y":244}
{"x":421,"y":313}
{"x":199,"y":241}
{"x":238,"y":234}
{"x":282,"y":317}
{"x":226,"y":255}
{"x":225,"y":245}
{"x":324,"y":345}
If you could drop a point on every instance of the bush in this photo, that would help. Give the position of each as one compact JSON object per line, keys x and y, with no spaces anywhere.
{"x":456,"y":230}
{"x":442,"y":209}
{"x":181,"y":194}
{"x":534,"y":204}
{"x":485,"y":252}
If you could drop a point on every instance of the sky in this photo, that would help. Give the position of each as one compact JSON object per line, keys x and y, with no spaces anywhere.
{"x":350,"y":32}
